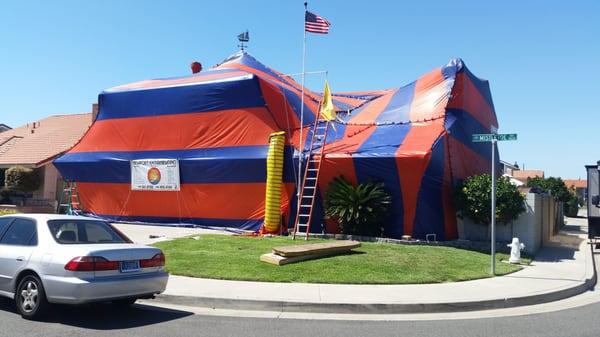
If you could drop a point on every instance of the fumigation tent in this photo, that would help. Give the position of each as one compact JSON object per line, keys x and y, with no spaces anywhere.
{"x":416,"y":139}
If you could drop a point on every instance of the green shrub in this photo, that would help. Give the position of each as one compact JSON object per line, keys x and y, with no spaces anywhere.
{"x":559,"y":190}
{"x":571,"y":207}
{"x":359,"y":210}
{"x":555,"y":186}
{"x":473,"y":199}
{"x":22,"y":179}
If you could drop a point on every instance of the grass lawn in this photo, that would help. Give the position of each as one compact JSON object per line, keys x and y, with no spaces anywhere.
{"x":237,"y":258}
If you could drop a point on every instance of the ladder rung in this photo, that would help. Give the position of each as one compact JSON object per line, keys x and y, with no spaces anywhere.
{"x":310,"y":187}
{"x":312,"y":170}
{"x":304,"y":215}
{"x":312,"y":178}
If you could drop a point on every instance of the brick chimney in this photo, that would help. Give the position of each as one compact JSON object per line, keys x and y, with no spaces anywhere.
{"x":94,"y":111}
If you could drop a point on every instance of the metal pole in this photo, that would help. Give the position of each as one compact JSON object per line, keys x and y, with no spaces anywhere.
{"x":307,"y":73}
{"x":493,"y":224}
{"x":300,"y":144}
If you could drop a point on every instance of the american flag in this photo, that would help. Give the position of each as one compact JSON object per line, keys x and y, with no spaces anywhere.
{"x":315,"y":24}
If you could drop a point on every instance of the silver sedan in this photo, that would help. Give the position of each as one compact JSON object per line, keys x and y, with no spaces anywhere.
{"x":47,"y":258}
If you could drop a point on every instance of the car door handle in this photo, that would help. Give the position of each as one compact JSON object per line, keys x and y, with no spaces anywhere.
{"x":20,"y":259}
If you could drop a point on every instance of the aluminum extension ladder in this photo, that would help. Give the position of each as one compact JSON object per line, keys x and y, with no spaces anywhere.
{"x":69,"y":199}
{"x":308,"y":188}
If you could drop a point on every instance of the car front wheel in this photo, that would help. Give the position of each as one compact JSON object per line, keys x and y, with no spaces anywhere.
{"x":30,"y":298}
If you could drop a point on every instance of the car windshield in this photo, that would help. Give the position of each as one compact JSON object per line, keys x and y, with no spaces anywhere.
{"x":69,"y":232}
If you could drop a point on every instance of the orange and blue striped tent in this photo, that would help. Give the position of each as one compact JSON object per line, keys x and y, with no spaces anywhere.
{"x":416,"y":139}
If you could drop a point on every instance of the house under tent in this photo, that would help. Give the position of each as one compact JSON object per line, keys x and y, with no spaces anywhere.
{"x":416,"y":139}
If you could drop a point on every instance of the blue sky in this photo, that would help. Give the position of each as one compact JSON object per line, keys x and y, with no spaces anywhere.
{"x":541,"y":57}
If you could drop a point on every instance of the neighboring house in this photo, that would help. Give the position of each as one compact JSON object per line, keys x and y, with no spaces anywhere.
{"x":580,"y":187}
{"x":522,"y":175}
{"x":508,"y":168}
{"x":4,"y":127}
{"x":36,"y":144}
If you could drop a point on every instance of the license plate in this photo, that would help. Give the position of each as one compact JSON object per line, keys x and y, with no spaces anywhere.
{"x":130,"y":266}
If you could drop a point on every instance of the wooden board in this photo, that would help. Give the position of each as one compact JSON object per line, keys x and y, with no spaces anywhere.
{"x":281,"y":260}
{"x":316,"y":248}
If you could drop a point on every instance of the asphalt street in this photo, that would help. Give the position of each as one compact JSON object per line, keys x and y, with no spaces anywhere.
{"x":105,"y":320}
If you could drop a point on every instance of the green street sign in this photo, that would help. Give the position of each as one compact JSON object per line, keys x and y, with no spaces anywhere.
{"x":488,"y":137}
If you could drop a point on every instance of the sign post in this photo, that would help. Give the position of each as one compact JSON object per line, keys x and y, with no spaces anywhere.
{"x":493,"y":138}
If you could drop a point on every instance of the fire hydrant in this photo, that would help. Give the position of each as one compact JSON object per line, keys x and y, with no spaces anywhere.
{"x":515,"y":251}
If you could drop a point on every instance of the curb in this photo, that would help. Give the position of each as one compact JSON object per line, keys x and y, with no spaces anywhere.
{"x":388,"y":308}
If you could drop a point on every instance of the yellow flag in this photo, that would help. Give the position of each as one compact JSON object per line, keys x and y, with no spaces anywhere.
{"x":327,"y":108}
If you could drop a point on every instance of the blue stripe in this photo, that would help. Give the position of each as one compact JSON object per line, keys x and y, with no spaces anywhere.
{"x":461,"y":126}
{"x":429,"y":216}
{"x":243,"y":224}
{"x":384,"y":141}
{"x":452,"y":68}
{"x":384,"y":169}
{"x":243,"y":164}
{"x":398,"y":109}
{"x":183,"y":99}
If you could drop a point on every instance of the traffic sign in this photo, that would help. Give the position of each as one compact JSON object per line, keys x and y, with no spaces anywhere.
{"x":488,"y":137}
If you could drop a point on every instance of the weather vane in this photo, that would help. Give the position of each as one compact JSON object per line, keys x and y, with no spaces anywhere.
{"x":243,"y":38}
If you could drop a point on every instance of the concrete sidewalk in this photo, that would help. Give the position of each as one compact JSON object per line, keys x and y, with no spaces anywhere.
{"x":561,"y":270}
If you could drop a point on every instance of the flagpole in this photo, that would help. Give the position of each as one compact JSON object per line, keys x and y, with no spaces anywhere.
{"x":300,"y":144}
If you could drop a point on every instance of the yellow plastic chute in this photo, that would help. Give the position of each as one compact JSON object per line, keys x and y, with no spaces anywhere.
{"x":274,"y":183}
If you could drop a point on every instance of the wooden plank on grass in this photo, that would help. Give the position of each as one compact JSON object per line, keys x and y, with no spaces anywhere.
{"x":281,"y":260}
{"x":316,"y":248}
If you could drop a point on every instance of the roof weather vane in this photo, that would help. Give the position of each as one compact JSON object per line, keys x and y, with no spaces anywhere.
{"x":243,"y":38}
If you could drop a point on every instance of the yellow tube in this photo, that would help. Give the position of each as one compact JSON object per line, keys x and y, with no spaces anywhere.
{"x":274,"y":183}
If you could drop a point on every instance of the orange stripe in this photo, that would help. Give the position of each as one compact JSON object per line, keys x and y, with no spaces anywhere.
{"x":413,"y":155}
{"x":185,"y":80}
{"x":412,"y":159}
{"x":282,"y":111}
{"x":355,"y":135}
{"x":466,"y":96}
{"x":466,"y":162}
{"x":216,"y":201}
{"x":250,"y":126}
{"x":430,"y":98}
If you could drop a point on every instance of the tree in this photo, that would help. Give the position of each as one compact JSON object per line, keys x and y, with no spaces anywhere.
{"x":22,"y":179}
{"x":473,"y":199}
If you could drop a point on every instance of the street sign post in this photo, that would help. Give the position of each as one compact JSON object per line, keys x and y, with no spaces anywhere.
{"x":478,"y":138}
{"x":493,"y":138}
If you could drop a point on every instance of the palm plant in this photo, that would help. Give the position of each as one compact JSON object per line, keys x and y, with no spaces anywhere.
{"x":359,"y":210}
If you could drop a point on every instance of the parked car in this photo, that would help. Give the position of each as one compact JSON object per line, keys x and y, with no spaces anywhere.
{"x":48,"y":258}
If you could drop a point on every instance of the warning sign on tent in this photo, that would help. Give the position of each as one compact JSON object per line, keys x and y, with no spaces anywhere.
{"x":155,"y":175}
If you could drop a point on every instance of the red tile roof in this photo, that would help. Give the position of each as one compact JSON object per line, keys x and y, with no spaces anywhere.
{"x":522,"y":175}
{"x":38,"y":142}
{"x":577,"y":183}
